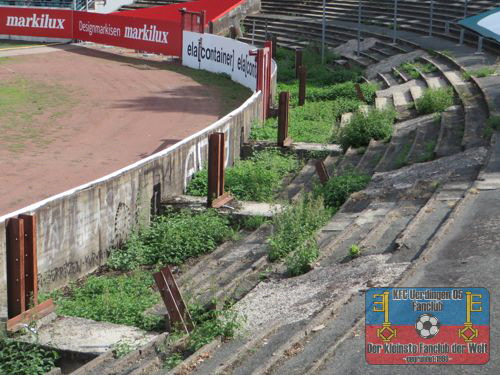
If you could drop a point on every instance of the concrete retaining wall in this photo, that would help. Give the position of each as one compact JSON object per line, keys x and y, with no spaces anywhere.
{"x":77,"y":229}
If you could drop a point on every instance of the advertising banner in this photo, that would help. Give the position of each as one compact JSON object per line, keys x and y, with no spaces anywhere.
{"x":427,"y":326}
{"x":155,"y":36}
{"x":217,"y":54}
{"x":37,"y":22}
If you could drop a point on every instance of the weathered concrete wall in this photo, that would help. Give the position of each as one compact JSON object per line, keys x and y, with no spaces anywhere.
{"x":77,"y":229}
{"x":234,"y":16}
{"x":3,"y":272}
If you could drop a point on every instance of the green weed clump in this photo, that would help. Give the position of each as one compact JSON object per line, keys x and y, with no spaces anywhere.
{"x":413,"y":69}
{"x":171,"y":239}
{"x":255,"y":179}
{"x":479,"y":73}
{"x":20,"y":358}
{"x":115,"y":299}
{"x":354,"y":251}
{"x":312,"y":122}
{"x":376,"y":124}
{"x":336,"y":191}
{"x":492,"y":124}
{"x":296,"y":225}
{"x":435,"y":100}
{"x":210,"y":324}
{"x":301,"y":259}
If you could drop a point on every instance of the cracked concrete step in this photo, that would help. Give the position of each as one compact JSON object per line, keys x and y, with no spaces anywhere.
{"x":371,"y":157}
{"x":302,"y":183}
{"x":335,"y":240}
{"x":382,"y":238}
{"x":397,"y":150}
{"x":349,"y":160}
{"x":429,"y":219}
{"x":451,"y":132}
{"x":416,"y":92}
{"x":476,"y":109}
{"x":425,"y":140}
{"x":381,"y":103}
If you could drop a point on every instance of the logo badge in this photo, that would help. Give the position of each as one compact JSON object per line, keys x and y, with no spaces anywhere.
{"x":427,"y":326}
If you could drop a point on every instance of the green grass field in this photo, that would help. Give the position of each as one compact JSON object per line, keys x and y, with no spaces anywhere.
{"x":27,"y":111}
{"x":16,"y":43}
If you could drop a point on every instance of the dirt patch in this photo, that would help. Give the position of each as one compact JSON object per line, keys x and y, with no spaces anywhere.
{"x":121,"y":110}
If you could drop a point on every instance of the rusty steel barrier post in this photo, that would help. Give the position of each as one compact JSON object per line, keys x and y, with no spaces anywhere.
{"x":298,"y":61}
{"x":216,"y":157}
{"x":283,"y":108}
{"x":322,"y":172}
{"x":274,"y":40}
{"x":177,"y":311}
{"x":359,"y":92}
{"x":22,"y":274}
{"x":302,"y":85}
{"x":16,"y":291}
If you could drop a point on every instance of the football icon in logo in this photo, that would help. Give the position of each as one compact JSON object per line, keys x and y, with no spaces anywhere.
{"x":427,"y":326}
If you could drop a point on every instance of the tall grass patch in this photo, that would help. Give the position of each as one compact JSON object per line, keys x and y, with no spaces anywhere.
{"x":435,"y":100}
{"x":312,"y":122}
{"x":115,"y":299}
{"x":336,"y":191}
{"x":296,"y":225}
{"x":376,"y":124}
{"x":257,"y":178}
{"x":172,"y":239}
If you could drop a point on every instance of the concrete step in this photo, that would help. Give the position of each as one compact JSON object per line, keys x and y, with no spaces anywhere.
{"x":302,"y":183}
{"x":397,"y":151}
{"x":381,"y":103}
{"x":451,"y":132}
{"x":416,"y":92}
{"x":425,"y":141}
{"x":476,"y":109}
{"x":345,"y":119}
{"x":349,"y":160}
{"x":371,"y":157}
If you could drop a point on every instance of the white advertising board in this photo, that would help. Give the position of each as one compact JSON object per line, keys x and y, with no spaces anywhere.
{"x":217,"y":54}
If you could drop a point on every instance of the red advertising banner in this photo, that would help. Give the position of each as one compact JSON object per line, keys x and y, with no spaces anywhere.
{"x":156,"y":36}
{"x":40,"y":22}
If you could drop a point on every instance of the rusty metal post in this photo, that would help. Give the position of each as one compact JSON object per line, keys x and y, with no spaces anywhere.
{"x":232,"y":32}
{"x":322,"y":172}
{"x":283,"y":108}
{"x":359,"y":92}
{"x":298,"y":61}
{"x":30,"y":261}
{"x":274,"y":40}
{"x":216,"y":157}
{"x":302,"y":85}
{"x":177,"y":312}
{"x":16,"y":291}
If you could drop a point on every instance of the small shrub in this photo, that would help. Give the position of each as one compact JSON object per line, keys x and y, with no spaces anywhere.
{"x":254,"y":179}
{"x":20,"y":358}
{"x":115,"y":299}
{"x":210,"y":324}
{"x":296,"y":224}
{"x":252,"y":222}
{"x":336,"y":191}
{"x":376,"y":124}
{"x":435,"y":100}
{"x":354,"y":251}
{"x":301,"y":259}
{"x":122,"y":348}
